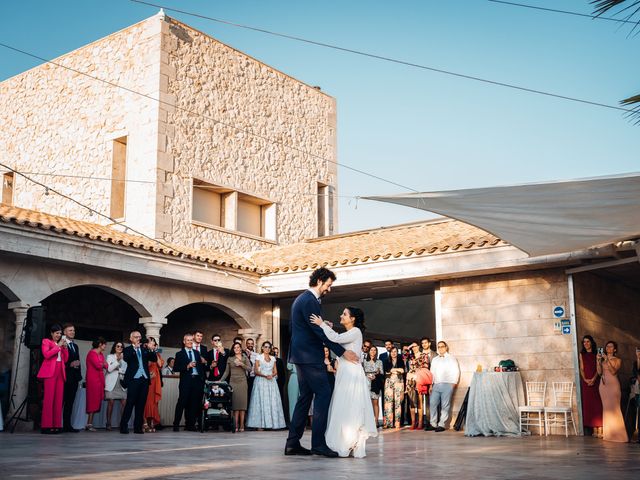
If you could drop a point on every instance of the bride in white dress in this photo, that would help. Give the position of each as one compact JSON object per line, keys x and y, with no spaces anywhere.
{"x":351,"y":419}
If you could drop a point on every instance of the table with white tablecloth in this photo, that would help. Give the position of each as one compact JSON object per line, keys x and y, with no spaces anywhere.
{"x":166,"y":407}
{"x":494,"y":399}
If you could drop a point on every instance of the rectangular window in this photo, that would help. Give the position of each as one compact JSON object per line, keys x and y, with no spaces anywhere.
{"x":323,"y":208}
{"x":222,"y":207}
{"x":7,"y":188}
{"x":118,"y":177}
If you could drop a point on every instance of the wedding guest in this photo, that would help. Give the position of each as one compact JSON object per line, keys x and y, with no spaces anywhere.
{"x":281,"y":372}
{"x":415,"y":361}
{"x":252,"y":356}
{"x":375,"y":374}
{"x":154,"y":395}
{"x":96,"y":365}
{"x":73,"y":372}
{"x":612,"y":421}
{"x":590,"y":384}
{"x":200,"y":348}
{"x":265,"y":407}
{"x":136,"y":381}
{"x":113,"y":390}
{"x":293,"y":389}
{"x":52,"y":371}
{"x":393,"y":389}
{"x":366,"y":345}
{"x":191,"y":384}
{"x":446,"y":374}
{"x":330,"y":364}
{"x":218,"y":356}
{"x":168,"y":367}
{"x":238,"y":366}
{"x":384,"y":356}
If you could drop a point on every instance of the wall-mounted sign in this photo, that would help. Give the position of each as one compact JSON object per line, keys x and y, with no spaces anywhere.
{"x":566,"y":330}
{"x":558,"y":311}
{"x":565,"y":322}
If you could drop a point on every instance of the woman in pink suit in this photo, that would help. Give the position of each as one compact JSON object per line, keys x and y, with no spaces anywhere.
{"x":55,"y":353}
{"x":96,"y":365}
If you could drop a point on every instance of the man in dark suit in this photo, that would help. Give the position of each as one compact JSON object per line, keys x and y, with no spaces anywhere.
{"x":307,"y":353}
{"x":218,"y":356}
{"x":384,"y":356}
{"x":281,"y":371}
{"x":74,"y":375}
{"x":136,"y":381}
{"x":190,"y":388}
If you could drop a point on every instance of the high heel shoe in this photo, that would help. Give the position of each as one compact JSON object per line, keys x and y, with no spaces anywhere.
{"x":89,"y":428}
{"x":107,"y":427}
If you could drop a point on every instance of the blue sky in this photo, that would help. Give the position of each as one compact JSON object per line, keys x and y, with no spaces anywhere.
{"x":421,"y":129}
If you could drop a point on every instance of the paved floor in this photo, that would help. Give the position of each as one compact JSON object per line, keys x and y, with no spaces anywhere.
{"x":258,"y":455}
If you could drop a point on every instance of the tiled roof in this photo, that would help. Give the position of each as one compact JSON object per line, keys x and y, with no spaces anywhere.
{"x":402,"y":241}
{"x":102,"y":233}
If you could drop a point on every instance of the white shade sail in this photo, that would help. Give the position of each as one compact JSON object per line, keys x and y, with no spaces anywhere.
{"x":543,"y":218}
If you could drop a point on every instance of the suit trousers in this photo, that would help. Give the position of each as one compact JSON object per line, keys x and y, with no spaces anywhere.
{"x":440,"y":396}
{"x":70,"y":390}
{"x":312,"y":380}
{"x":52,"y":402}
{"x":190,"y":401}
{"x":137,"y":391}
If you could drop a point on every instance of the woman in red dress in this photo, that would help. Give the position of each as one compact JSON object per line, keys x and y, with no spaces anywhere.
{"x":589,"y":383}
{"x":151,"y":411}
{"x":96,"y":365}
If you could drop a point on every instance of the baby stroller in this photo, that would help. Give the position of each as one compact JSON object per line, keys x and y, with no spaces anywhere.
{"x":216,"y":407}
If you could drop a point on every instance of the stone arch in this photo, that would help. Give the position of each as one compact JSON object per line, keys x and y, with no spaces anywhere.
{"x":7,"y":293}
{"x":95,"y":310}
{"x":210,"y":317}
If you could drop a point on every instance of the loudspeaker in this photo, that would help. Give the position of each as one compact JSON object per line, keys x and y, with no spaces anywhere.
{"x":34,"y":327}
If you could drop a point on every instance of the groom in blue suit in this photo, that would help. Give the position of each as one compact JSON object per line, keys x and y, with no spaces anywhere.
{"x":307,"y":353}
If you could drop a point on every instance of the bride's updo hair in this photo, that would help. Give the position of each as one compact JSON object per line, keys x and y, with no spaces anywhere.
{"x":358,"y":315}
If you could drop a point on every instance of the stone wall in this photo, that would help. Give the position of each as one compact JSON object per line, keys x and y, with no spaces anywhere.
{"x":609,"y":310}
{"x":239,"y":123}
{"x":60,"y":125}
{"x":508,"y":316}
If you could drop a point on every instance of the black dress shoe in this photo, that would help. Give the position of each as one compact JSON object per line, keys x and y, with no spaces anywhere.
{"x":439,"y":429}
{"x":429,"y":428}
{"x":124,"y":431}
{"x":139,"y":432}
{"x":71,"y":430}
{"x":176,"y":429}
{"x":191,"y":429}
{"x":46,"y":431}
{"x":324,"y":451}
{"x":299,"y":450}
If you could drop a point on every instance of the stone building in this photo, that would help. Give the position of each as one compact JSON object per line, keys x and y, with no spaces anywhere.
{"x":219,"y":175}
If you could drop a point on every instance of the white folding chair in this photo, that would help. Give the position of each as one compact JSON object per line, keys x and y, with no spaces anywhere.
{"x":561,"y":412}
{"x":532,"y":414}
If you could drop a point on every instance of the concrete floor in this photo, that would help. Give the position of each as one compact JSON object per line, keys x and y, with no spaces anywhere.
{"x":258,"y":455}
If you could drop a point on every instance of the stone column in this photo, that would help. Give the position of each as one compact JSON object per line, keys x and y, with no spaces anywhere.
{"x":253,"y":333}
{"x":152,"y":326}
{"x":20,"y":365}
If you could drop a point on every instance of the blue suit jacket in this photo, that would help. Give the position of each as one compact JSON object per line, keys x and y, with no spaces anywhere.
{"x":308,"y":339}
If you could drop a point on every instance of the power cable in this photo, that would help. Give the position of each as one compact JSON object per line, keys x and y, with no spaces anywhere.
{"x":566,"y":12}
{"x":186,"y":110}
{"x":114,"y":221}
{"x":392,"y":60}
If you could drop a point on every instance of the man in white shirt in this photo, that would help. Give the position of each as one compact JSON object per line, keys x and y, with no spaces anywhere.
{"x":446,"y":375}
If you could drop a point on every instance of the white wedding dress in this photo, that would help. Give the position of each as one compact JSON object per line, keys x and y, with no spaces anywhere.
{"x":351,"y":419}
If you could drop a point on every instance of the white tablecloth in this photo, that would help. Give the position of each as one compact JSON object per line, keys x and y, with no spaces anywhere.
{"x":167,"y":407}
{"x":494,"y":399}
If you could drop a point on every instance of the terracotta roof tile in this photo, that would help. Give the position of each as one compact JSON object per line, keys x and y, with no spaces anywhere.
{"x":103,"y":233}
{"x":418,"y":239}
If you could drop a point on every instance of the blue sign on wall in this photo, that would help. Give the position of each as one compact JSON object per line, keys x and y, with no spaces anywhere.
{"x":566,"y":330}
{"x":558,"y":312}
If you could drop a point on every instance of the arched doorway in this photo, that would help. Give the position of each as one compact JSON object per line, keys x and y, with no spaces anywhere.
{"x":207,"y":317}
{"x":96,"y":311}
